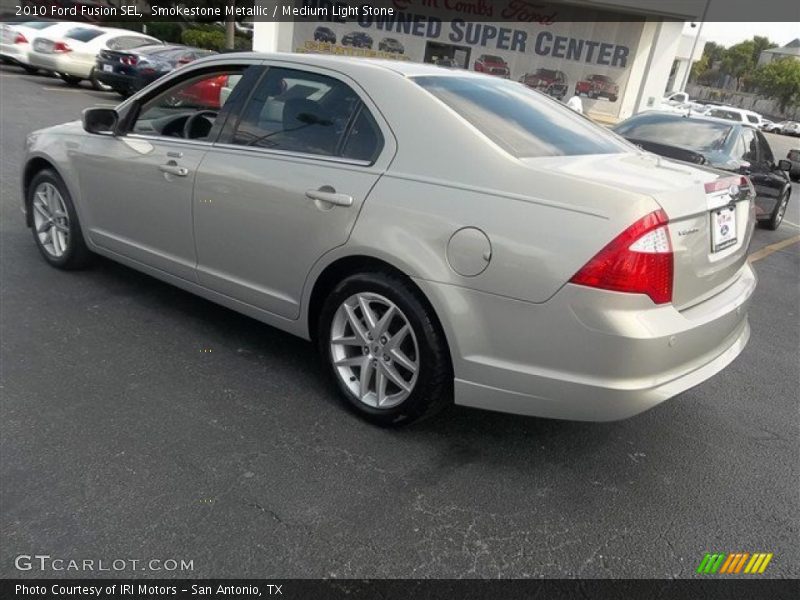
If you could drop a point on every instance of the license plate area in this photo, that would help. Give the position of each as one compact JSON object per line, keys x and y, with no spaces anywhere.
{"x":723,"y":228}
{"x":108,"y":68}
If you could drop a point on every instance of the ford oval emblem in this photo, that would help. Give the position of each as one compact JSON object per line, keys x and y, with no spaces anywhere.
{"x":733,"y":190}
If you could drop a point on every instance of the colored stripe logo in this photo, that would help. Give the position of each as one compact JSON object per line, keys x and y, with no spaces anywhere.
{"x":734,"y":563}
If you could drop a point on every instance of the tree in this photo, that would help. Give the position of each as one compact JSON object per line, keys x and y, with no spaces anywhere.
{"x":712,"y":56}
{"x":780,"y":80}
{"x":761,"y":43}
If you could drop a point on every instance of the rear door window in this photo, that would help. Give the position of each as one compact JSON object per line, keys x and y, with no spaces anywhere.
{"x":309,"y":113}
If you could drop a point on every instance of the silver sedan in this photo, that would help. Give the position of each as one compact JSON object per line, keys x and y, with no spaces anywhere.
{"x":440,"y":235}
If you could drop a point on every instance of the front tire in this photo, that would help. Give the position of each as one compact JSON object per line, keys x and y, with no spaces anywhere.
{"x":30,"y":70}
{"x":384,"y":349}
{"x":56,"y":229}
{"x":776,"y":218}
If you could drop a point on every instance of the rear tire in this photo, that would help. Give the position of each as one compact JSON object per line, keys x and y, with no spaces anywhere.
{"x":56,"y":229}
{"x":70,"y":80}
{"x":411,"y":349}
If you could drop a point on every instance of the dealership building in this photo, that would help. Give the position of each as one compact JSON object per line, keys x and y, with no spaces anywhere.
{"x":619,"y":55}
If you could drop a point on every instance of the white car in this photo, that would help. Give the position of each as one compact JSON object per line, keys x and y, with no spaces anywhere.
{"x":73,"y":53}
{"x":738,"y":115}
{"x":791,"y":128}
{"x":15,"y":39}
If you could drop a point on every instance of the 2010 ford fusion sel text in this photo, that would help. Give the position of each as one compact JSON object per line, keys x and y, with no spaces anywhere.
{"x":441,"y":235}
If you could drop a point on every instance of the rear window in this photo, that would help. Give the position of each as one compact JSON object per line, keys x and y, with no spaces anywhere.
{"x":682,"y":132}
{"x":752,"y":119}
{"x":794,"y":155}
{"x":39,"y":25}
{"x":523,"y":122}
{"x":83,"y":34}
{"x":725,"y":114}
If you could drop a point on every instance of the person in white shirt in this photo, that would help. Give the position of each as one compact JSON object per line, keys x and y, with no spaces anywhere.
{"x":575,"y":104}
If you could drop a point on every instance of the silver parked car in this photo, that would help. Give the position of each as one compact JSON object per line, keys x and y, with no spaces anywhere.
{"x":507,"y":254}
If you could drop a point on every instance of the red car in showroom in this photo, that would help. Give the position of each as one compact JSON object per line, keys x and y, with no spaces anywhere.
{"x":492,"y":65}
{"x":551,"y":82}
{"x":598,"y":86}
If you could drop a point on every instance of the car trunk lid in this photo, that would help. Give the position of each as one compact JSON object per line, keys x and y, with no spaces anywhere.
{"x":705,"y":263}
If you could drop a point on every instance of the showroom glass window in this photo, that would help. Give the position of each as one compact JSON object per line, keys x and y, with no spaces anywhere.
{"x":309,"y":113}
{"x":523,"y":122}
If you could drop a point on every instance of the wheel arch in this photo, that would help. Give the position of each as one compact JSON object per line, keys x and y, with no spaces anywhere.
{"x":343,"y":267}
{"x":34,"y":166}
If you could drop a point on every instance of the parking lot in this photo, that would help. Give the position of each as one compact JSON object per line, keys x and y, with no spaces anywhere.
{"x":141,"y":422}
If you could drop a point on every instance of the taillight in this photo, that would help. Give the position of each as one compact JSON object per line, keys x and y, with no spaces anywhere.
{"x":638,"y":261}
{"x":61,"y":47}
{"x":129,"y":60}
{"x":20,"y":39}
{"x":723,"y":184}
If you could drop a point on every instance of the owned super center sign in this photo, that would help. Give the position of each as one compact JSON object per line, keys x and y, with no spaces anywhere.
{"x":589,"y":57}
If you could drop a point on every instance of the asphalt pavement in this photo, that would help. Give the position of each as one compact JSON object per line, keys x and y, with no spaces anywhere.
{"x":139,"y":422}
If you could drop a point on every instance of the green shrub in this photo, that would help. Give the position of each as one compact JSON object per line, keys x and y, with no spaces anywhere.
{"x":211,"y":40}
{"x":166,"y":32}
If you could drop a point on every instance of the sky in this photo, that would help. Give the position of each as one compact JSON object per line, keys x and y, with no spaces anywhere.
{"x":729,"y":34}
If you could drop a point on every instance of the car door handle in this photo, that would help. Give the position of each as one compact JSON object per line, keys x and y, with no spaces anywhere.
{"x":331,"y":197}
{"x":174,"y":170}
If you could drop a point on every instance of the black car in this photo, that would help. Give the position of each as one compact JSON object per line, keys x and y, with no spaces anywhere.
{"x":358,"y":39}
{"x":324,"y":34}
{"x":726,"y":145}
{"x":128,"y":71}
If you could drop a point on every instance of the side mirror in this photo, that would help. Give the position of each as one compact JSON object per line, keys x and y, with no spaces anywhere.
{"x":100,"y":120}
{"x":784,"y":165}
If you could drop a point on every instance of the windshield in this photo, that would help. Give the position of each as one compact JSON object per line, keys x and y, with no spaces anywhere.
{"x":492,"y":58}
{"x":523,"y":122}
{"x":683,"y":133}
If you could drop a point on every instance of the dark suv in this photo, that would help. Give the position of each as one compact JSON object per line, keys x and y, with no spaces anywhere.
{"x":357,"y":39}
{"x":324,"y":34}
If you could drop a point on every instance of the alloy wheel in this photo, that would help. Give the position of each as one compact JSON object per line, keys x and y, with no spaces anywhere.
{"x":374,"y":350}
{"x":51,"y":220}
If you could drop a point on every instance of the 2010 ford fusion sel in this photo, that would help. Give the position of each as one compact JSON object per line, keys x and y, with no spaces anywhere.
{"x":441,"y":235}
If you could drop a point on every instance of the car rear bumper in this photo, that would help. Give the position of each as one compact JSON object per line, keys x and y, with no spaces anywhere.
{"x":14,"y":52}
{"x":60,"y":63}
{"x":119,"y":81}
{"x":587,"y":354}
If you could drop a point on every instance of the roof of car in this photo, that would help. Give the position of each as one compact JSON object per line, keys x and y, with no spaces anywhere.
{"x":691,"y":119}
{"x":349,"y":65}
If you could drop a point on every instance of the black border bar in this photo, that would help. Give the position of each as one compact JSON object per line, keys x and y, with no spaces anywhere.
{"x":391,"y":589}
{"x":542,"y":11}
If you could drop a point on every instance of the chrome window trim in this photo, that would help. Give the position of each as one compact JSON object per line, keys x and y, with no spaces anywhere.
{"x":162,"y":138}
{"x":288,"y":154}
